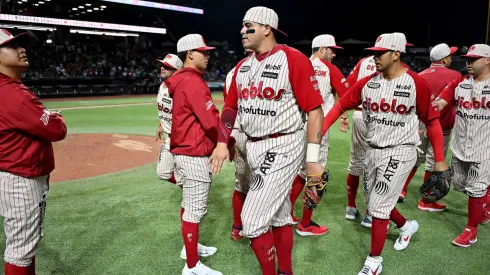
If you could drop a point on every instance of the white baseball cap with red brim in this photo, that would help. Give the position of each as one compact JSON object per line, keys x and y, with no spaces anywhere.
{"x":478,"y":51}
{"x":264,"y":16}
{"x":172,"y":61}
{"x":324,"y":40}
{"x":441,"y":51}
{"x":389,"y":42}
{"x":192,"y":42}
{"x":24,"y":39}
{"x":402,"y":36}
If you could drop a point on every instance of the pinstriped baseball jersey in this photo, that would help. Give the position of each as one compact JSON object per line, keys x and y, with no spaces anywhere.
{"x":164,"y":104}
{"x":322,"y":73}
{"x":270,"y":88}
{"x":365,"y":67}
{"x":391,"y":108}
{"x":472,"y":101}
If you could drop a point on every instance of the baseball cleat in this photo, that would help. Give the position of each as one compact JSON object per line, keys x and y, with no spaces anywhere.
{"x":432,"y":206}
{"x":402,"y":196}
{"x":467,"y":238}
{"x":372,"y":266}
{"x":235,"y":234}
{"x":312,"y":230}
{"x":199,"y":269}
{"x":202,"y":251}
{"x":295,"y":220}
{"x":367,"y":221}
{"x":407,"y":231}
{"x":351,"y":213}
{"x":486,"y":218}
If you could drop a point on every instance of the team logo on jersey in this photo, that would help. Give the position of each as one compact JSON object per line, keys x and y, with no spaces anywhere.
{"x":386,"y":107}
{"x":373,"y":85}
{"x":273,"y":67}
{"x":403,"y":87}
{"x":163,"y":108}
{"x":269,"y":75}
{"x":260,"y":92}
{"x":466,"y":86}
{"x":402,"y":94}
{"x":244,"y":69}
{"x":209,"y":104}
{"x":321,"y":73}
{"x":45,"y":117}
{"x":473,"y":104}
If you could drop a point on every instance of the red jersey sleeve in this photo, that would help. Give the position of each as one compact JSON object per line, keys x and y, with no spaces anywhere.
{"x":202,"y":105}
{"x":353,"y":76}
{"x":448,"y":92}
{"x":303,"y":81}
{"x":224,"y":93}
{"x":424,"y":98}
{"x":35,"y":120}
{"x":336,"y":79}
{"x":353,"y":96}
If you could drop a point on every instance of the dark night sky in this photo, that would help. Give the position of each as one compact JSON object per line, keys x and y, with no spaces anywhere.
{"x":449,"y":20}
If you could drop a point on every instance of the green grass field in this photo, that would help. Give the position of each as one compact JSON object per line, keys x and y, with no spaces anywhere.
{"x":129,"y":223}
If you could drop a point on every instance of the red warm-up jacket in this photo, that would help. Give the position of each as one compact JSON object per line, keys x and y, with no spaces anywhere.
{"x":27,"y":131}
{"x":195,"y":118}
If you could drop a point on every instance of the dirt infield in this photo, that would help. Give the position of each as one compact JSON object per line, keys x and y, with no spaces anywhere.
{"x":87,"y":155}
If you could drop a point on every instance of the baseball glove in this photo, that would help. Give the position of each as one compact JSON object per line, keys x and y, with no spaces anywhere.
{"x":436,"y":186}
{"x":315,"y":188}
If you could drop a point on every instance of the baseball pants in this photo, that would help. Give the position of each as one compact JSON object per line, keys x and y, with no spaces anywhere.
{"x":166,"y":162}
{"x":274,"y":163}
{"x":385,"y":173}
{"x":358,"y":145}
{"x":242,"y":169}
{"x":472,"y":178}
{"x":195,"y":179}
{"x":426,"y":152}
{"x":23,"y":206}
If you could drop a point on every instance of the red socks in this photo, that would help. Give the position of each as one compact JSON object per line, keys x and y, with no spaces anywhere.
{"x":181,"y":213}
{"x":475,"y":211}
{"x":379,"y":231}
{"x":263,"y":246}
{"x":410,"y":177}
{"x":306,"y":219}
{"x":283,"y":241}
{"x":11,"y":269}
{"x":190,"y":233}
{"x":296,"y":189}
{"x":427,"y":175}
{"x":352,"y":186}
{"x":488,"y":199}
{"x":237,"y":201}
{"x":397,"y":218}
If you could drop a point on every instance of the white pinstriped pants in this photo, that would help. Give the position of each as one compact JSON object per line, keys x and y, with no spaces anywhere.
{"x":274,"y":164}
{"x":23,"y":206}
{"x":242,"y":169}
{"x":166,"y":162}
{"x":195,"y":179}
{"x":358,"y":145}
{"x":385,"y":173}
{"x":472,"y":178}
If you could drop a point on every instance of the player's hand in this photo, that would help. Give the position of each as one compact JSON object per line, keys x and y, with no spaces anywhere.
{"x":440,"y":166}
{"x":314,"y":168}
{"x":159,"y":134}
{"x":344,"y":125}
{"x":219,"y":155}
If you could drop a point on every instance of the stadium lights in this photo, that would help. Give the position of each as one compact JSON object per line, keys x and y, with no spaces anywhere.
{"x":20,"y":2}
{"x":74,"y":9}
{"x":49,"y":41}
{"x":88,"y":4}
{"x":103,"y":7}
{"x":96,"y":9}
{"x":23,"y":27}
{"x":155,"y":5}
{"x":124,"y":34}
{"x":79,"y":23}
{"x":37,"y":5}
{"x":41,"y":2}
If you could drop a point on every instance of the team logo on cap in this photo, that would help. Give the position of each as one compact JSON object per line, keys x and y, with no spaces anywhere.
{"x":168,"y":56}
{"x":472,"y":48}
{"x":379,"y":39}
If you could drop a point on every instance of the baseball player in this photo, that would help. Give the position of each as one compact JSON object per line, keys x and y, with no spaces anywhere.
{"x":330,"y":81}
{"x":471,"y":151}
{"x":393,"y":100}
{"x":194,"y":135}
{"x":272,"y":91}
{"x":165,"y":166}
{"x":365,"y":67}
{"x":27,"y":131}
{"x":242,"y":170}
{"x":438,"y":76}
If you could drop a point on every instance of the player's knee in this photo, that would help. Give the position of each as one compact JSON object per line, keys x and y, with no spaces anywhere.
{"x":379,"y":214}
{"x":476,"y":192}
{"x":194,"y":215}
{"x":355,"y":171}
{"x":252,"y":229}
{"x":18,"y":259}
{"x":164,"y":175}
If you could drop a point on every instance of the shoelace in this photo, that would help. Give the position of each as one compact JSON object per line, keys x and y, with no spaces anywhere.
{"x":365,"y":270}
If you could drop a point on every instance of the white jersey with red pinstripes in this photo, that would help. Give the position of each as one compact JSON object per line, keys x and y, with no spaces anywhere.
{"x":228,"y":80}
{"x":329,"y":80}
{"x":164,"y":104}
{"x":365,"y":67}
{"x":469,"y":141}
{"x":391,"y":108}
{"x":270,"y":88}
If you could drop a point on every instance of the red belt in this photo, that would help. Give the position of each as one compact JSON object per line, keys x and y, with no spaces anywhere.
{"x":358,"y":109}
{"x":254,"y":139}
